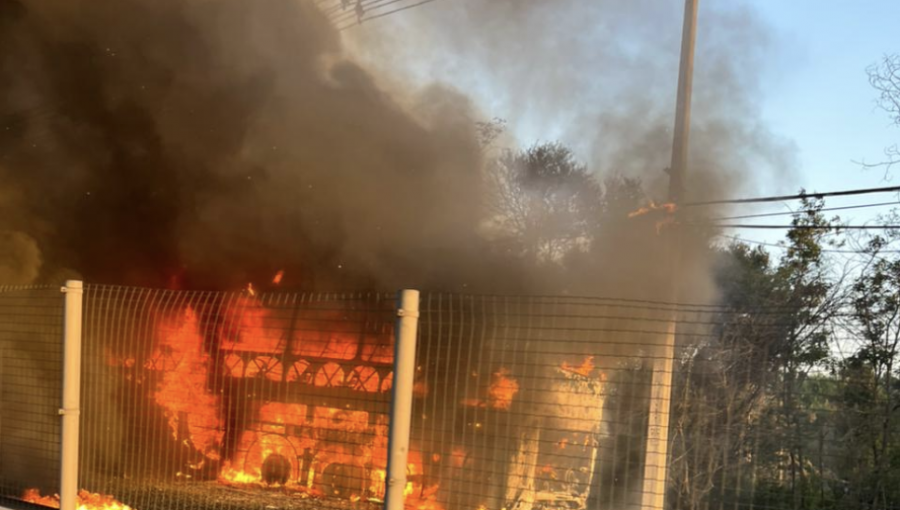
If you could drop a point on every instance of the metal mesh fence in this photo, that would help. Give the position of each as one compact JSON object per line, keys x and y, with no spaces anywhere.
{"x":553,"y":402}
{"x":229,"y":400}
{"x":31,"y":339}
{"x":235,"y":401}
{"x":535,"y":402}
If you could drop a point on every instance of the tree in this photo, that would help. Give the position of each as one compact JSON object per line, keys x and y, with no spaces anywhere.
{"x":545,"y":203}
{"x":885,"y":79}
{"x":743,"y":416}
{"x":869,"y":399}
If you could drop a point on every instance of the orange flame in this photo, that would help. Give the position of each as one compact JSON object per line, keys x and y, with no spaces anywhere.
{"x":668,"y":208}
{"x":183,"y":391}
{"x":503,"y":389}
{"x":268,"y":447}
{"x":585,"y":369}
{"x":278,"y":277}
{"x":86,"y":500}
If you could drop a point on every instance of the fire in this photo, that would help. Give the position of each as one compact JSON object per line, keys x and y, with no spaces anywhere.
{"x":183,"y":391}
{"x":266,"y":443}
{"x":668,"y":208}
{"x":231,"y":475}
{"x":86,"y":500}
{"x":500,"y":393}
{"x":585,"y":369}
{"x":503,"y":389}
{"x":296,"y":447}
{"x":278,"y":277}
{"x":415,"y":495}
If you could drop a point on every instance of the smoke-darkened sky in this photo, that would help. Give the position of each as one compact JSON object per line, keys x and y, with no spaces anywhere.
{"x":803,"y":63}
{"x":210,"y":143}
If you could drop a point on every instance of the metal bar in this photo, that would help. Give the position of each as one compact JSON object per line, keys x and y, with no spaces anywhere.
{"x":71,"y":395}
{"x":402,"y":397}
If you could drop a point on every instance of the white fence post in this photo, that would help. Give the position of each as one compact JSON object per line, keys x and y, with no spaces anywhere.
{"x":402,"y":397}
{"x":71,"y":395}
{"x":656,"y":458}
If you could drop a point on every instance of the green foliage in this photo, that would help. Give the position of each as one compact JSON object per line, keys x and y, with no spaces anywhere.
{"x":750,"y":403}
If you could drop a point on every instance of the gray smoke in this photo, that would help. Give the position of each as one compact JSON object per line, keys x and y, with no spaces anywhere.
{"x":210,"y":143}
{"x":602,"y":78}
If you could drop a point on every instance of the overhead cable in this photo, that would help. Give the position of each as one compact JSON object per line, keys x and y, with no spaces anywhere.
{"x":785,"y":247}
{"x":799,"y":227}
{"x":798,"y":196}
{"x":795,"y":213}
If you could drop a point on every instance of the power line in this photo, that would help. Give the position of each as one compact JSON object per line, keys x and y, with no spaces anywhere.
{"x":794,"y":213}
{"x":798,"y":196}
{"x":376,"y":5}
{"x":783,"y":247}
{"x":345,"y":12}
{"x":799,"y":227}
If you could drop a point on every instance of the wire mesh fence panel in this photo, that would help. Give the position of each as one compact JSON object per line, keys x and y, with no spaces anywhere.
{"x":241,"y":401}
{"x":532,"y":402}
{"x":548,"y":403}
{"x":31,"y":340}
{"x":236,"y":400}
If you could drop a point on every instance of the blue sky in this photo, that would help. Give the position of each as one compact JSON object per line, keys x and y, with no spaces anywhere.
{"x":821,"y":97}
{"x":822,"y":100}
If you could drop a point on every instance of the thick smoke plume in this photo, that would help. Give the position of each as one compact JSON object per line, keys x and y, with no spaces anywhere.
{"x":217,"y":142}
{"x":212,"y":143}
{"x":602,"y":78}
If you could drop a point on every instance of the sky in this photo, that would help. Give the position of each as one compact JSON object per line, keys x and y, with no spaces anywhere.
{"x":823,"y":100}
{"x":821,"y":97}
{"x":813,"y":92}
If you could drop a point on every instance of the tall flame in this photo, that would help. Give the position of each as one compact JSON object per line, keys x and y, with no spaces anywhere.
{"x":183,"y":391}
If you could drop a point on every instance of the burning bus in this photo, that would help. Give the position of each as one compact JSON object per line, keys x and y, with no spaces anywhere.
{"x":261,"y":393}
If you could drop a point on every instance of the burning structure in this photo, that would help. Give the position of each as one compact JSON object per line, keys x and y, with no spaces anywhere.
{"x":207,"y":143}
{"x":293,"y":393}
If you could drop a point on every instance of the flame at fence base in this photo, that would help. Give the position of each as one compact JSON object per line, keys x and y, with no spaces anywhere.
{"x":86,"y":500}
{"x":415,"y":497}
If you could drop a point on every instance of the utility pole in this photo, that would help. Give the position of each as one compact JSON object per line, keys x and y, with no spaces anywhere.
{"x":656,"y":458}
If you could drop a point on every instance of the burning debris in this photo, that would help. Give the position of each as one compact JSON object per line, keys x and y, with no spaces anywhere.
{"x":267,"y":401}
{"x":668,"y":208}
{"x":503,"y":387}
{"x":663,"y":214}
{"x":86,"y":500}
{"x":584,"y":370}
